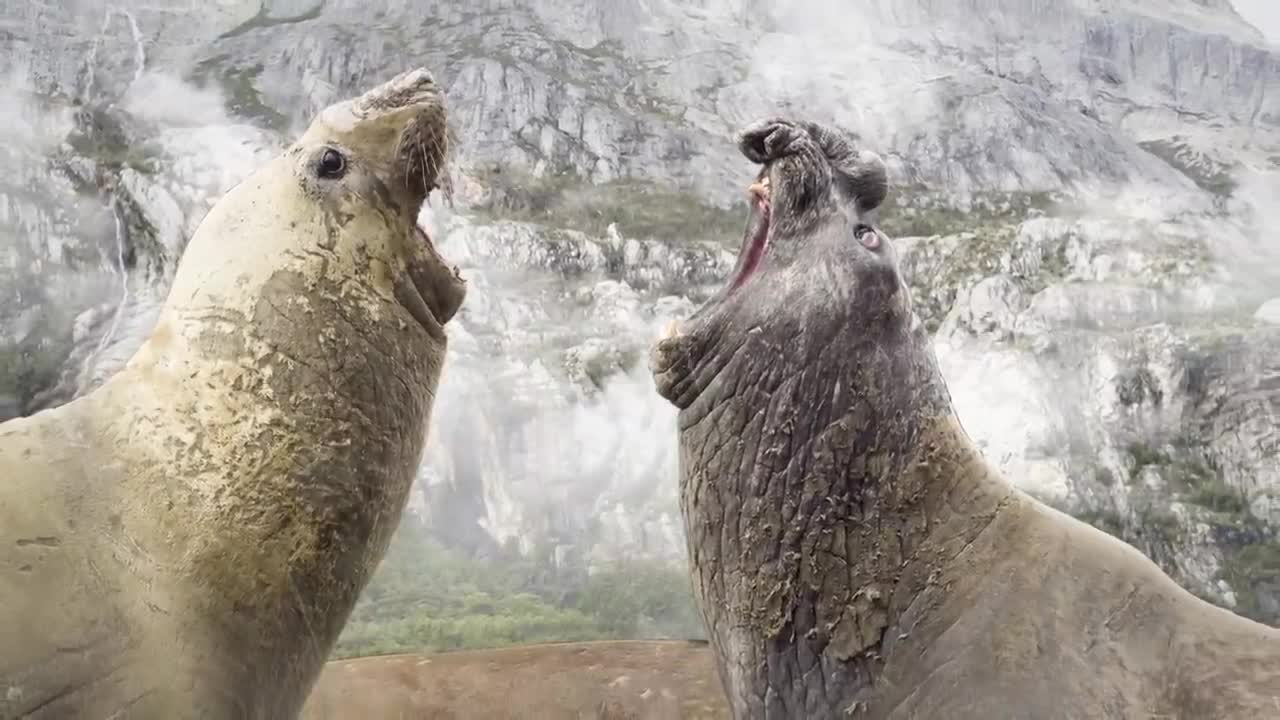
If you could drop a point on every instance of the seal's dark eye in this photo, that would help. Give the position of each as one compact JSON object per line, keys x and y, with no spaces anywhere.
{"x":332,"y":164}
{"x":868,"y":236}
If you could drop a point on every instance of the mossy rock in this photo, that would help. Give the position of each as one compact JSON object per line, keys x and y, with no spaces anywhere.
{"x":640,"y":208}
{"x":29,"y":368}
{"x":1211,"y":177}
{"x":101,"y":137}
{"x":1253,"y":572}
{"x":1138,"y":387}
{"x":239,"y":88}
{"x":957,"y":246}
{"x":917,"y":211}
{"x":263,"y":20}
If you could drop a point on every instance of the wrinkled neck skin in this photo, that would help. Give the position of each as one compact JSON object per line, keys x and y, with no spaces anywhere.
{"x":268,"y":432}
{"x":818,"y":447}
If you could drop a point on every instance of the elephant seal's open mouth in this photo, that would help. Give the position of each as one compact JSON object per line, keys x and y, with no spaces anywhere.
{"x":756,"y":239}
{"x":850,"y":549}
{"x":809,"y":255}
{"x":392,"y":143}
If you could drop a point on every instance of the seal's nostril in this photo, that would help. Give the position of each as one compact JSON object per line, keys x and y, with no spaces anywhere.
{"x":419,"y":79}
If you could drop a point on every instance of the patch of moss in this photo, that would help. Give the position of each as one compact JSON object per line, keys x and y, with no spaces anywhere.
{"x":1138,"y":387}
{"x":1107,"y":520}
{"x":1214,"y":179}
{"x":1193,"y":478}
{"x":641,"y":209}
{"x":962,"y":244}
{"x":1104,"y":476}
{"x":915,"y":211}
{"x":1142,"y":455}
{"x":100,"y":137}
{"x":1253,"y":572}
{"x":1219,"y":497}
{"x":1159,"y":526}
{"x":34,"y":365}
{"x":425,"y":596}
{"x":264,"y":20}
{"x":238,"y":85}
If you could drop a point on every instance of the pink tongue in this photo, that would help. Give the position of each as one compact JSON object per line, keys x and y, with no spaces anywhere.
{"x":755,"y":251}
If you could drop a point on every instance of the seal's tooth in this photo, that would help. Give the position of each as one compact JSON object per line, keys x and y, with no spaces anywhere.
{"x":672,"y":330}
{"x":759,"y":189}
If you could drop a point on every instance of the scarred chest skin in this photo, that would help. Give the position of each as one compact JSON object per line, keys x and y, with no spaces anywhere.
{"x":188,"y":540}
{"x":851,"y":551}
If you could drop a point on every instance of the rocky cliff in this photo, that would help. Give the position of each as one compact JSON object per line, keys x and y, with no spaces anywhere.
{"x":1085,"y":192}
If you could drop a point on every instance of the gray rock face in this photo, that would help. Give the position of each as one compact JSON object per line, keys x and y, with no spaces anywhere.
{"x":1083,"y":193}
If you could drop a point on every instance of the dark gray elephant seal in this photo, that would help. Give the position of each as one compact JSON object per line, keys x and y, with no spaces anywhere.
{"x":188,"y":540}
{"x":852,"y":553}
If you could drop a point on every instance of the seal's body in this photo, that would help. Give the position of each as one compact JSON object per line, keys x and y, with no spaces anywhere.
{"x":852,"y":553}
{"x":188,"y":540}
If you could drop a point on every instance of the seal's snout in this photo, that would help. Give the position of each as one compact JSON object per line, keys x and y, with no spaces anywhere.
{"x":414,"y":87}
{"x":811,"y":175}
{"x":403,"y":124}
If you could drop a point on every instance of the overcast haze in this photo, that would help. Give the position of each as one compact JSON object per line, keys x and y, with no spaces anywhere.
{"x":1263,"y":14}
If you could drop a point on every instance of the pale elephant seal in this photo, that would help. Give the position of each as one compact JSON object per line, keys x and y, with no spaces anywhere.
{"x":852,"y":552}
{"x":188,"y":540}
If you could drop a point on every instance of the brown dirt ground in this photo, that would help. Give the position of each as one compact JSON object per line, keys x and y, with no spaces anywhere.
{"x":641,"y":680}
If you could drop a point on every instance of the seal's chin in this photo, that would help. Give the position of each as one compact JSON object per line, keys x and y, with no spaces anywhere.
{"x":433,"y":290}
{"x":756,"y":239}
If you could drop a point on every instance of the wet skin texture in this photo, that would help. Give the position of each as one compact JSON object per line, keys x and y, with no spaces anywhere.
{"x":188,"y":540}
{"x":852,"y":553}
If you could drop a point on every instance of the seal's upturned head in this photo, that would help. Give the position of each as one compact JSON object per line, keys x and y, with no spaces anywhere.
{"x":814,"y":278}
{"x":287,"y":389}
{"x":805,"y":387}
{"x":347,"y":192}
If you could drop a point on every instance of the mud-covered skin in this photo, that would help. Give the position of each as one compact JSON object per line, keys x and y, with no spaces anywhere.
{"x":188,"y":540}
{"x":851,"y":551}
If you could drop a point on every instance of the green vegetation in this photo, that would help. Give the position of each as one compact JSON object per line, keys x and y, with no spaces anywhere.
{"x":1142,"y":455}
{"x":1104,"y":476}
{"x":1253,"y":571}
{"x":100,"y":137}
{"x":640,"y":208}
{"x":264,"y":20}
{"x":1215,"y":495}
{"x":961,"y":245}
{"x":1207,"y":175}
{"x":32,"y":365}
{"x":240,"y":91}
{"x":1138,"y":387}
{"x":1107,"y":520}
{"x":1194,"y":479}
{"x":1251,"y":551}
{"x":917,"y":212}
{"x":426,"y":597}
